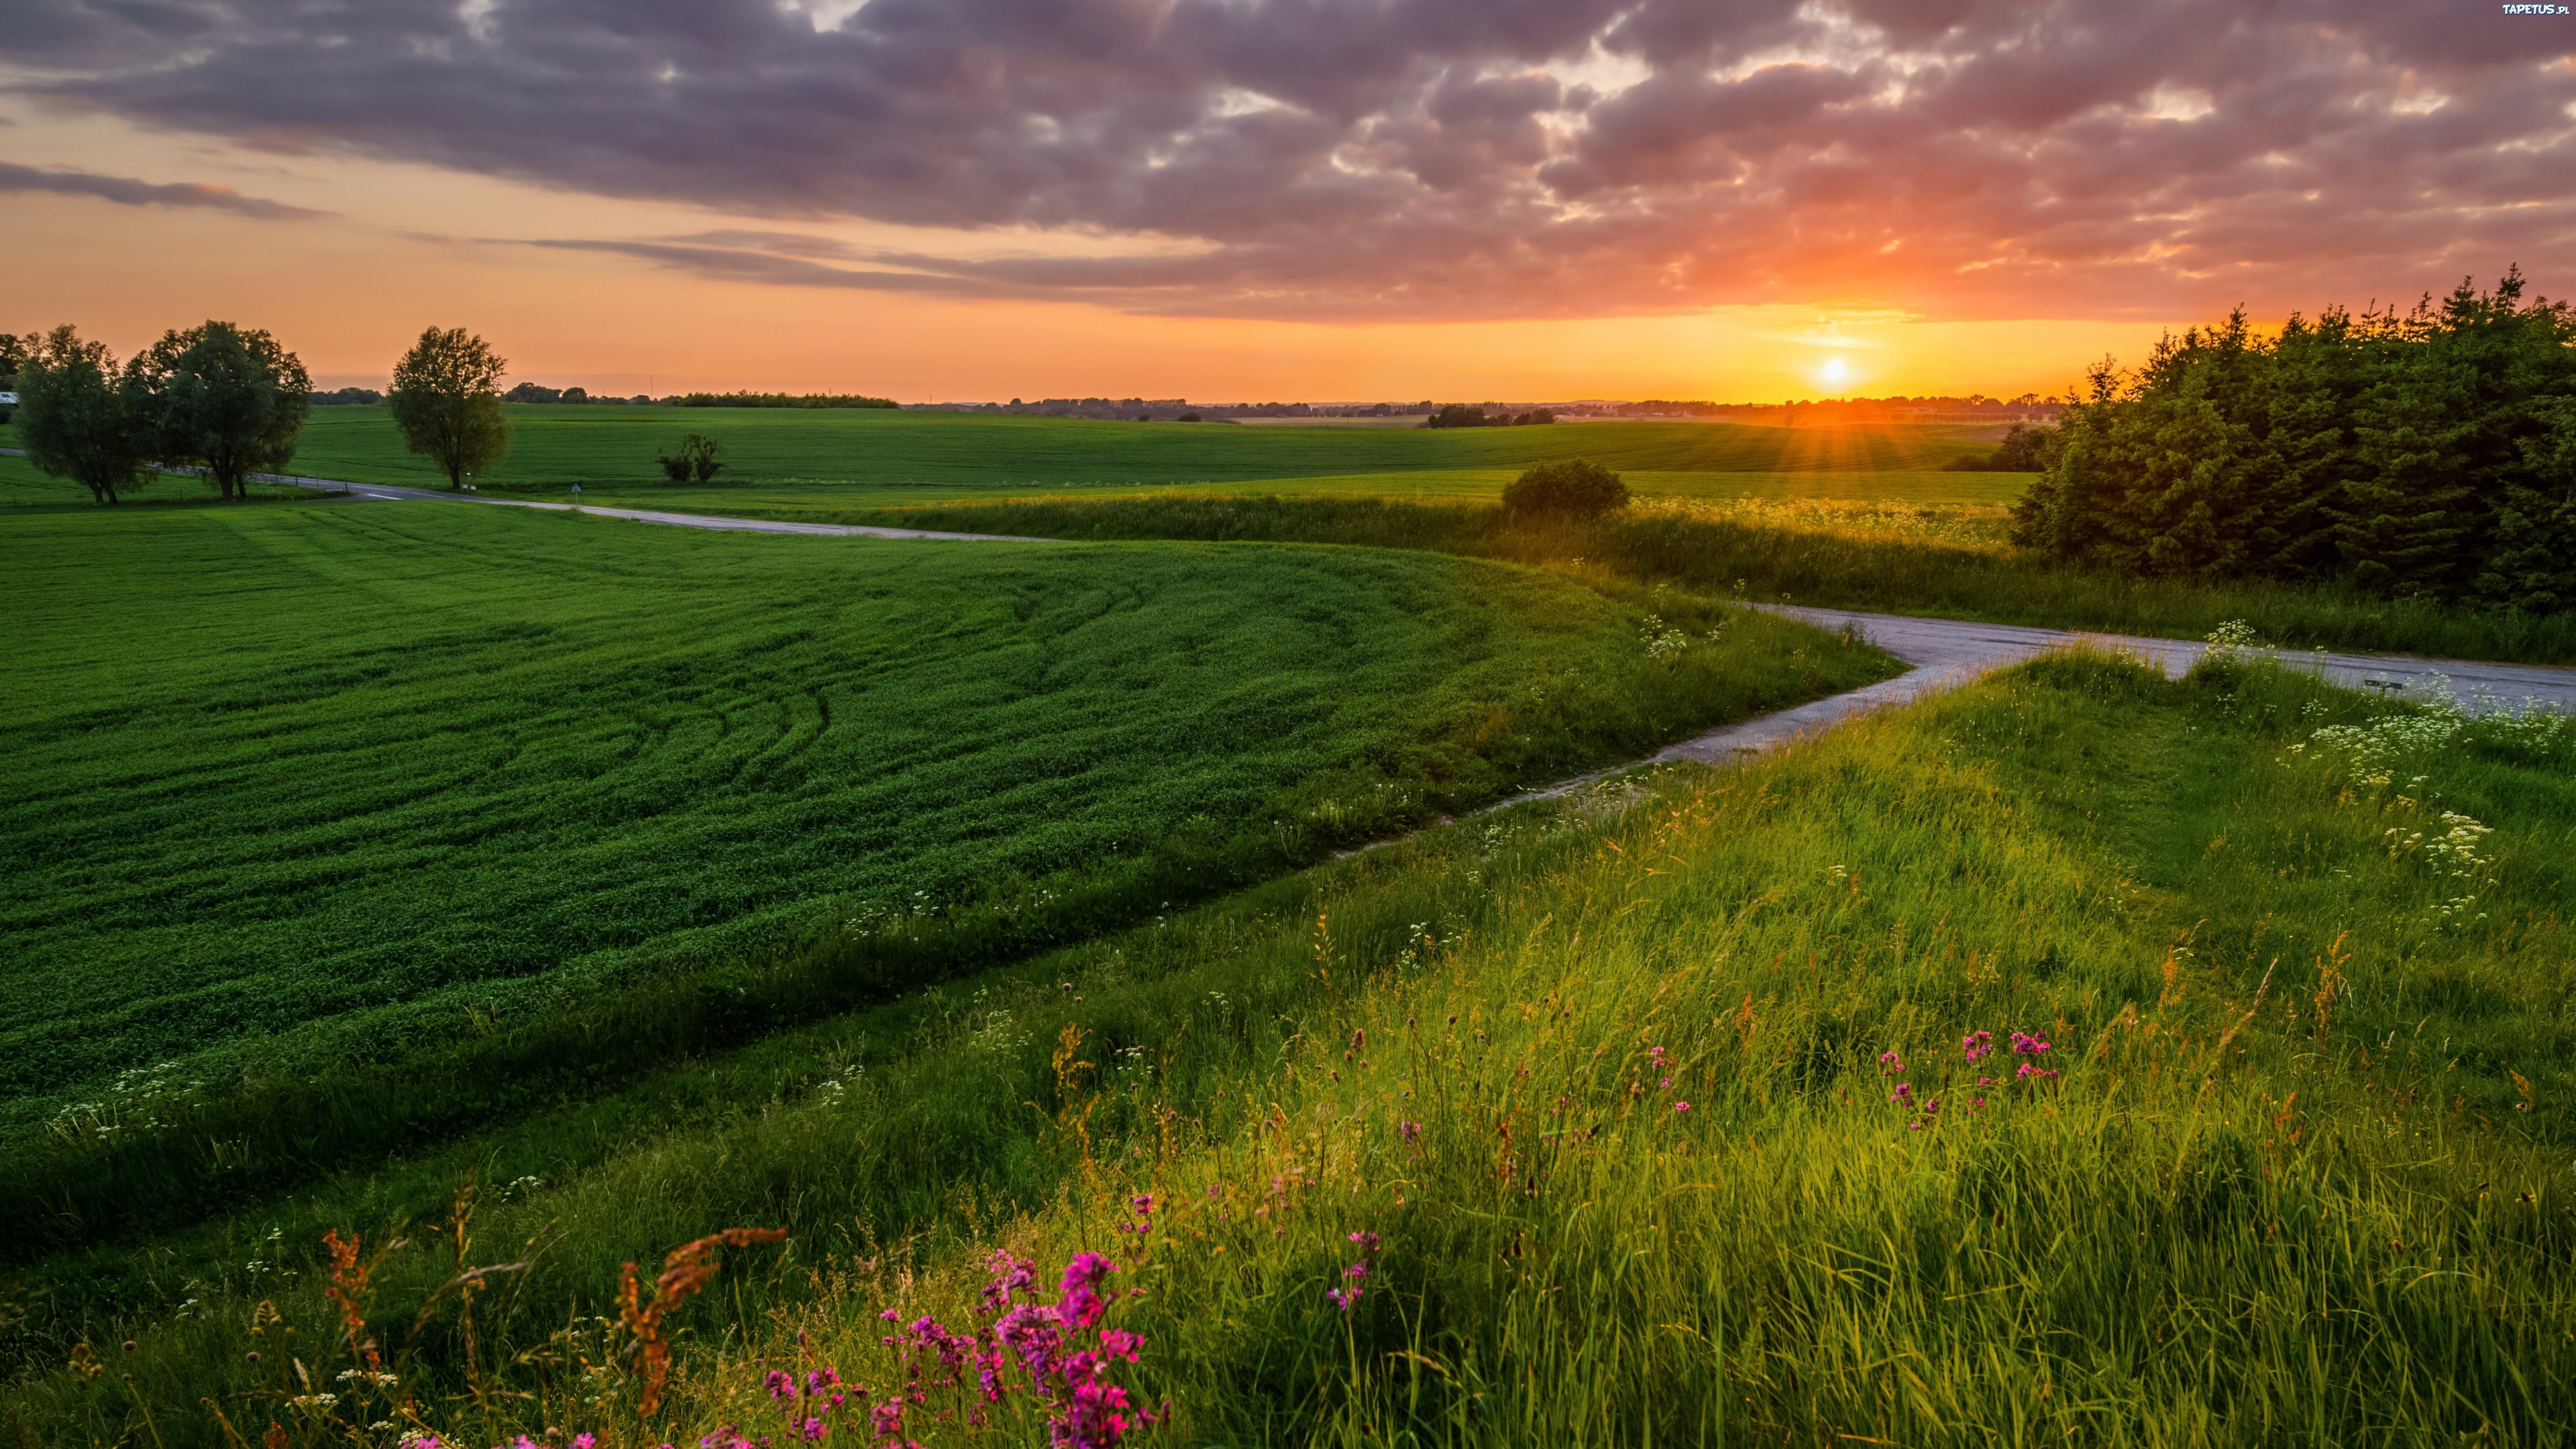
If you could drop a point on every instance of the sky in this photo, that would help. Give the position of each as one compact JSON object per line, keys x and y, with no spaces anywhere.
{"x":1255,"y":200}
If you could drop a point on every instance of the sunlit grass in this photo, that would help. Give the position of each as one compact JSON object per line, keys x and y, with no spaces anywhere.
{"x":2301,"y":1174}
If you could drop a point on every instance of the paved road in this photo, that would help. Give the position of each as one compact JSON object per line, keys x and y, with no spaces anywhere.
{"x":646,"y":515}
{"x":640,"y":515}
{"x":1947,"y":653}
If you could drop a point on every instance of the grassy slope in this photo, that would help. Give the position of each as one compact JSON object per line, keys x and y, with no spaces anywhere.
{"x":878,"y":456}
{"x":2284,"y":1190}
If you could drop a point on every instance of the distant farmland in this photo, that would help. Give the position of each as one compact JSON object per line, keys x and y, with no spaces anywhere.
{"x":904,"y":453}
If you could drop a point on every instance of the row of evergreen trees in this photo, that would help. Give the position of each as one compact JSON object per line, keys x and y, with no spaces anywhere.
{"x":2425,"y":455}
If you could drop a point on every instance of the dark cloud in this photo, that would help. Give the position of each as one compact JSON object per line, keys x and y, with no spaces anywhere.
{"x":145,"y":193}
{"x":1365,"y":159}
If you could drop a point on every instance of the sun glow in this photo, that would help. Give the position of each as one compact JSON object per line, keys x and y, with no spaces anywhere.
{"x":1834,"y":371}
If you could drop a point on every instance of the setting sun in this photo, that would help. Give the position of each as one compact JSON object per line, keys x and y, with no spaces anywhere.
{"x":1834,"y":370}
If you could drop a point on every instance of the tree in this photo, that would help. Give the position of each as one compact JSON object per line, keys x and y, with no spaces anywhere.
{"x":1575,"y":488}
{"x":13,"y":353}
{"x":446,"y":399}
{"x":77,"y":418}
{"x":227,"y":400}
{"x":2416,"y":455}
{"x":696,"y":458}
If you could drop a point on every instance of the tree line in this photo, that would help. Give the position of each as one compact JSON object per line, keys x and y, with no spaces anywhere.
{"x":2429,"y":454}
{"x":1465,"y":415}
{"x":228,"y":402}
{"x":217,"y":399}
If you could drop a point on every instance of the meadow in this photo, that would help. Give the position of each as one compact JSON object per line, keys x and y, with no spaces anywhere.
{"x":324,"y":784}
{"x":867,"y":456}
{"x":2069,"y":1059}
{"x":1892,"y":557}
{"x":1862,"y":517}
{"x":415,"y":915}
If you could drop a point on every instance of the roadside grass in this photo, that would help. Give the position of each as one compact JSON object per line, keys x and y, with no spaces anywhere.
{"x":2300,"y":1173}
{"x":1935,"y":561}
{"x":1982,"y":493}
{"x":868,"y":454}
{"x":22,"y":487}
{"x":343,"y":828}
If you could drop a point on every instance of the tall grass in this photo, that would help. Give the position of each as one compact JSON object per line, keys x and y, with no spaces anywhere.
{"x":2300,"y":1176}
{"x":1808,"y":561}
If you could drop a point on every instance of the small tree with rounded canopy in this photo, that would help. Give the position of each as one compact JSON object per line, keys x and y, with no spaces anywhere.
{"x":76,"y":417}
{"x":227,"y":400}
{"x":1573,"y":488}
{"x":446,"y":398}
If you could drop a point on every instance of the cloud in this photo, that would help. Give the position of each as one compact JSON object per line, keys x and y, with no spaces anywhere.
{"x":127,"y":192}
{"x":1373,"y":159}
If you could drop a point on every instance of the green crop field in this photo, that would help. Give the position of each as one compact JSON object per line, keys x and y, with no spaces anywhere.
{"x":874,"y":455}
{"x":352,"y":771}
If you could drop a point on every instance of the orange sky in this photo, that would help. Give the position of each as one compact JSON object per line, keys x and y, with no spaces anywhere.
{"x":349,"y":291}
{"x":1598,"y":198}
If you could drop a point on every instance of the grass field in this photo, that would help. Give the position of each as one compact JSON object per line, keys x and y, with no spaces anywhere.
{"x":23,"y":487}
{"x":530,"y":894}
{"x":868,"y":455}
{"x":375,"y":764}
{"x":2295,"y":1171}
{"x":1943,"y":560}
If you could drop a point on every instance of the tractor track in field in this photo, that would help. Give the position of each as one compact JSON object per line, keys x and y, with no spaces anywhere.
{"x":1942,"y":653}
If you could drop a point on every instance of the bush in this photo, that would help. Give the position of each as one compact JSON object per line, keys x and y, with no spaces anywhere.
{"x":694,"y":458}
{"x":1576,"y":487}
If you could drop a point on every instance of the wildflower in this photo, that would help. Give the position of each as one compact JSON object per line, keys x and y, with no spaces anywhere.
{"x":1356,"y":1274}
{"x":1977,"y":1044}
{"x":1655,"y":1052}
{"x":2028,"y":1045}
{"x":1902,"y":1096}
{"x":1890,"y":1064}
{"x":585,"y":1440}
{"x":1410,"y":1132}
{"x":2031,"y":1069}
{"x":1681,"y":1106}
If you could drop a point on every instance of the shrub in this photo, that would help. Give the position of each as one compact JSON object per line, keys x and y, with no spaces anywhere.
{"x":1576,"y":487}
{"x":695,"y":458}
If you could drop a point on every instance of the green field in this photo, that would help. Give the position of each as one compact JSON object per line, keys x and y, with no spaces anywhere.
{"x":2301,"y":1176}
{"x":532,"y":893}
{"x":871,"y":455}
{"x":352,"y":771}
{"x":23,"y":487}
